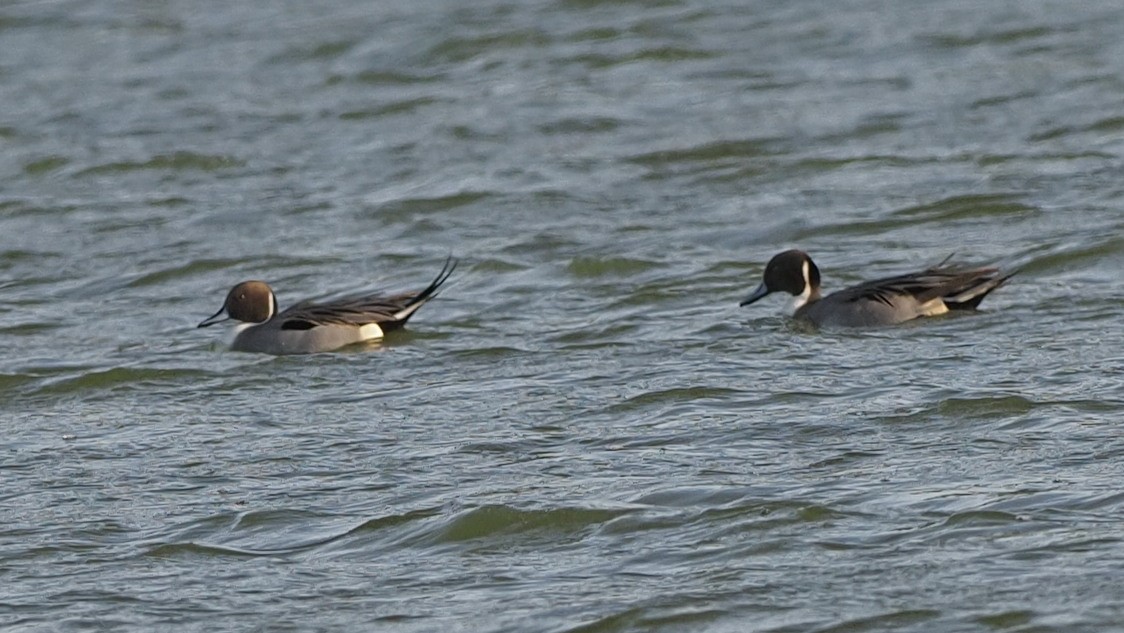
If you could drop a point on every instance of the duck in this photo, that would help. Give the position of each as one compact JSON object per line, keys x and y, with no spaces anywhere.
{"x":933,"y":291}
{"x":310,"y":327}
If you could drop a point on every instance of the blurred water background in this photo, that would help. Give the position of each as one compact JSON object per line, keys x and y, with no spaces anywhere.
{"x":583,"y":433}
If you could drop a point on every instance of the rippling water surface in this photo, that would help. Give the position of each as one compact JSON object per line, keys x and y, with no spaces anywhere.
{"x":584,"y":432}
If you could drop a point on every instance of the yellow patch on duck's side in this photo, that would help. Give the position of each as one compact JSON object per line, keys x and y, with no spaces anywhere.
{"x":933,"y":307}
{"x":369,"y":332}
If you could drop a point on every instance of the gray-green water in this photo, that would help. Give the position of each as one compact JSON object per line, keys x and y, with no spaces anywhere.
{"x":584,"y":432}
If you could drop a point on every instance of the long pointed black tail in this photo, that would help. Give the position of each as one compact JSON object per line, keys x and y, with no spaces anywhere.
{"x":970,"y":298}
{"x":425,"y":295}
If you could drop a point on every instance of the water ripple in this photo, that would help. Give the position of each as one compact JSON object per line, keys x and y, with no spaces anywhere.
{"x":583,"y":432}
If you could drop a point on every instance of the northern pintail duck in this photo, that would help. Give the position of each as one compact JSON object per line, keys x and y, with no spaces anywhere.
{"x":936,"y":290}
{"x":309,"y":327}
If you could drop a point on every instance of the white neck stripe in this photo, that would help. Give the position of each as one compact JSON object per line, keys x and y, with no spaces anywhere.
{"x":800,"y":300}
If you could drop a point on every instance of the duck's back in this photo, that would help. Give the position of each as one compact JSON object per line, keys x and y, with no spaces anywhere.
{"x":930,"y":292}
